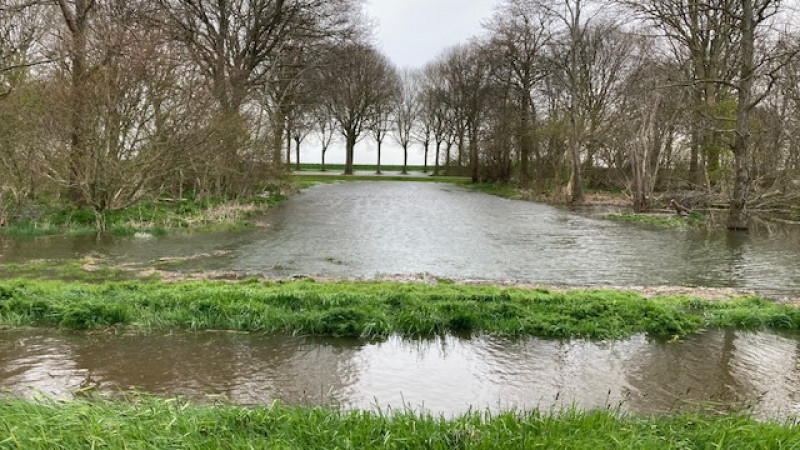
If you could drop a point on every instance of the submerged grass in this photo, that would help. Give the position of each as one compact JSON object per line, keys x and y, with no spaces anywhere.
{"x":376,"y":309}
{"x":156,"y":216}
{"x":659,"y":221}
{"x":155,"y":423}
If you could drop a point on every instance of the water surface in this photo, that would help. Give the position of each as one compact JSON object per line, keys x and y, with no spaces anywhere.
{"x":718,"y":370}
{"x":368,"y":229}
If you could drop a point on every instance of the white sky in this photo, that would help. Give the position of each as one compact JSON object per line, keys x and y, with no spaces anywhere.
{"x":411,"y":33}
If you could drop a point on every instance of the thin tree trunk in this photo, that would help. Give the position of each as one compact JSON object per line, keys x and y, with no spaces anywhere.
{"x":379,"y":157}
{"x":427,"y":146}
{"x":473,"y":156}
{"x":278,"y":125}
{"x":289,"y":148}
{"x":351,"y":145}
{"x":297,"y":152}
{"x":738,"y":216}
{"x":436,"y":161}
{"x":405,"y":159}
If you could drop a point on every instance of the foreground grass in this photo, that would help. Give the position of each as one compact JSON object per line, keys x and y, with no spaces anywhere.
{"x":376,"y":309}
{"x":152,"y":423}
{"x":155,"y":217}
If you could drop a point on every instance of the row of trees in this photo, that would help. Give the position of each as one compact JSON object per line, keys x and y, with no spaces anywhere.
{"x":558,"y":94}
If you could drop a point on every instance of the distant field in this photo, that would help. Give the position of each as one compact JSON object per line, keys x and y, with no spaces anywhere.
{"x":364,"y":167}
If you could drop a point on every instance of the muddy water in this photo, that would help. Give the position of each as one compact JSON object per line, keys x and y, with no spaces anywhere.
{"x":717,"y":370}
{"x":366,"y":229}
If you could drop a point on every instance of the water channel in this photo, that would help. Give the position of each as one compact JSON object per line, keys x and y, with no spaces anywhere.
{"x":716,"y":370}
{"x":369,"y":229}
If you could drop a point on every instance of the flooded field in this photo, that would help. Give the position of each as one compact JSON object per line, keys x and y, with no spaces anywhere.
{"x":369,"y":229}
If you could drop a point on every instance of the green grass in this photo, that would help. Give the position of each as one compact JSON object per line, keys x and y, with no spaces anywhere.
{"x":85,"y":270}
{"x":376,"y":309}
{"x":659,"y":221}
{"x":149,"y":423}
{"x":156,"y":216}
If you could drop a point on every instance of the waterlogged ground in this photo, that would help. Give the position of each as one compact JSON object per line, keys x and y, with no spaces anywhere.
{"x":717,"y":371}
{"x":369,"y":229}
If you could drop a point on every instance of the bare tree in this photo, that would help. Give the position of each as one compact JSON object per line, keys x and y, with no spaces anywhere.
{"x":702,"y":34}
{"x":520,"y":35}
{"x":326,"y":129}
{"x":238,"y":43}
{"x":435,"y":109}
{"x":467,"y":74}
{"x":359,"y":78}
{"x":406,"y":114}
{"x":381,"y":123}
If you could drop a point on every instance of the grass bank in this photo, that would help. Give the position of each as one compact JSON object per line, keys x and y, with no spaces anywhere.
{"x":153,"y":423}
{"x":376,"y":309}
{"x":156,"y":216}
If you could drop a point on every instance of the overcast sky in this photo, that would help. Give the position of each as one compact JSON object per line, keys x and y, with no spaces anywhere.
{"x":413,"y":32}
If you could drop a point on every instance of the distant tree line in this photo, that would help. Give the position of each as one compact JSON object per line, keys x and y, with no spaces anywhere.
{"x":104,"y":102}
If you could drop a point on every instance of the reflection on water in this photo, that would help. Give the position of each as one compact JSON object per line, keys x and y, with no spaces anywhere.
{"x":364,"y":229}
{"x":717,"y":369}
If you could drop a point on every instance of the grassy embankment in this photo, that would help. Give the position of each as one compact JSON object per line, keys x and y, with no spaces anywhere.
{"x":154,"y":216}
{"x":153,"y":423}
{"x":376,"y":309}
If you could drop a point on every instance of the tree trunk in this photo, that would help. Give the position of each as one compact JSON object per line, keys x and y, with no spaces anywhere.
{"x":427,"y":147}
{"x":378,"y":171}
{"x":405,"y":159}
{"x":324,"y":149}
{"x":576,"y":179}
{"x":525,"y":145}
{"x":76,"y":21}
{"x":436,"y":161}
{"x":448,"y":157}
{"x":738,"y":216}
{"x":297,"y":152}
{"x":350,"y":149}
{"x":278,"y":125}
{"x":473,"y":156}
{"x":289,"y":148}
{"x":460,"y":150}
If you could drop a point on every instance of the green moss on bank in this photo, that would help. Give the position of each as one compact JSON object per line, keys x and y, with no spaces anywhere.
{"x":373,"y":309}
{"x":153,"y":423}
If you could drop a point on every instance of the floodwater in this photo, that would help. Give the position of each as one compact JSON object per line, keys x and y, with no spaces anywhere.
{"x":369,"y":229}
{"x":716,"y":370}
